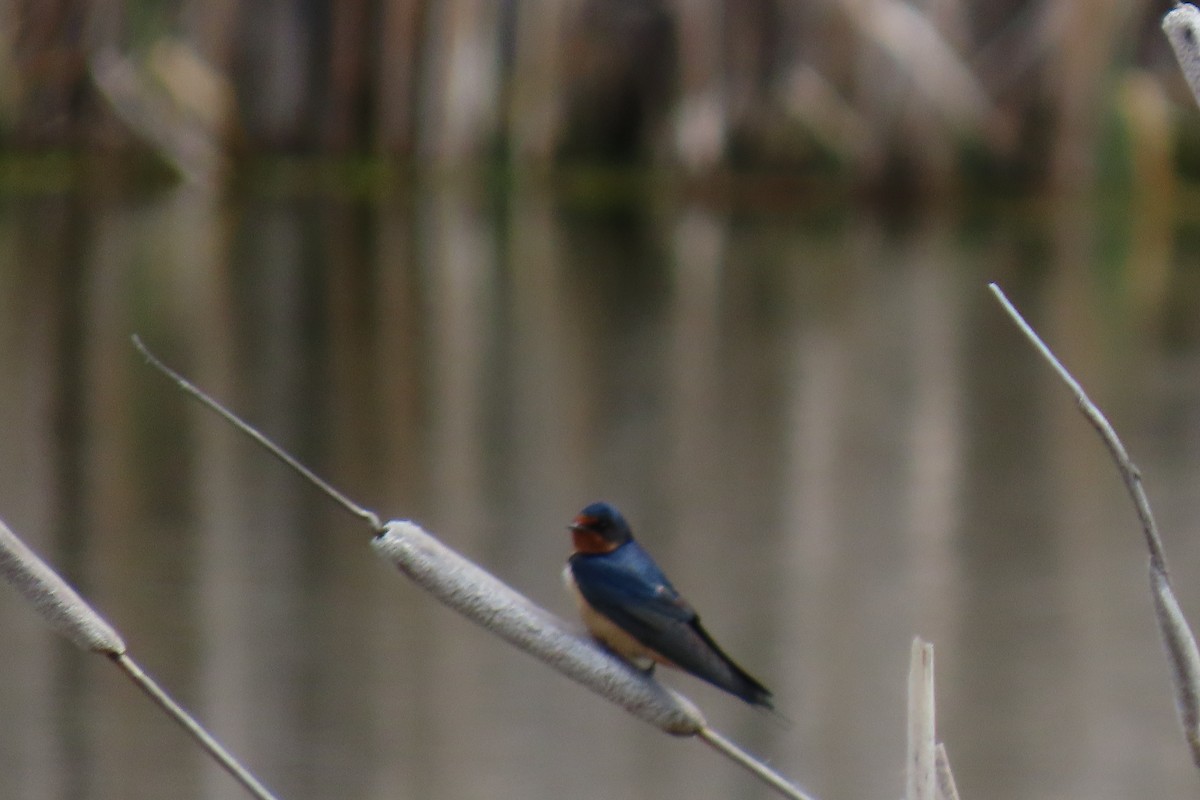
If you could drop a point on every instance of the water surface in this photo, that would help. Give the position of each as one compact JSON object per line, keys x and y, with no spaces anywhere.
{"x":819,"y":422}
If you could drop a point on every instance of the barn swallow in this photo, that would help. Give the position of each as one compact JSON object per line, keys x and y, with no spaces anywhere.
{"x":628,"y":604}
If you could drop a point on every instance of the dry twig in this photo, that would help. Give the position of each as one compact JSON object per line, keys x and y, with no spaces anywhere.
{"x":928,"y":775}
{"x":1182,"y":655}
{"x":69,"y":614}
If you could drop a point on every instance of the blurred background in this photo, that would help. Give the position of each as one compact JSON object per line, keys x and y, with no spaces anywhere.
{"x":481,"y":263}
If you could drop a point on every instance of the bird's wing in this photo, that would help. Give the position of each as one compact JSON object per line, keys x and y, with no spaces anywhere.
{"x":631,"y":590}
{"x":628,"y":587}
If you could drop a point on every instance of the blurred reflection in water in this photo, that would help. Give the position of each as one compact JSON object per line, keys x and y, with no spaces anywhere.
{"x":821,"y":426}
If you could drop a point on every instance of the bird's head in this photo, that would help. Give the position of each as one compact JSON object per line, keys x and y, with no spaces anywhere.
{"x":599,"y":528}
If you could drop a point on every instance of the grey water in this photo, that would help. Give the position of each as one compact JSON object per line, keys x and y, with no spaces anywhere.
{"x":817,"y":420}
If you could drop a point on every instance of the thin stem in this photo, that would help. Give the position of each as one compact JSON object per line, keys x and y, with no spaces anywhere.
{"x":66,"y":611}
{"x":1129,"y":472}
{"x":272,"y":448}
{"x":1183,"y":657}
{"x":194,"y":728}
{"x":743,"y":759}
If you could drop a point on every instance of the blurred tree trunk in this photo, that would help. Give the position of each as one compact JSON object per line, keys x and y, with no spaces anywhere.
{"x":761,"y":46}
{"x":701,"y":122}
{"x":207,"y":27}
{"x":399,"y":45}
{"x":275,"y":73}
{"x":536,"y":86}
{"x":893,"y":90}
{"x":210,"y":27}
{"x":620,"y":80}
{"x":53,"y":67}
{"x":1082,"y":68}
{"x":343,"y":114}
{"x":10,"y":77}
{"x":459,"y":102}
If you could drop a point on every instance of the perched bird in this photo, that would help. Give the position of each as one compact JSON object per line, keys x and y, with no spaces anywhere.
{"x":630,"y":606}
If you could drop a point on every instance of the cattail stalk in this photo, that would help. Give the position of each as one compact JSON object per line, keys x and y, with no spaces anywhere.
{"x":1182,"y":27}
{"x":1182,"y":655}
{"x":921,"y":771}
{"x":65,"y":611}
{"x":486,"y":600}
{"x":927,"y":771}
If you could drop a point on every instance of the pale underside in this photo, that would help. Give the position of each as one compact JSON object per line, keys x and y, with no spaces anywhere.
{"x":606,"y":631}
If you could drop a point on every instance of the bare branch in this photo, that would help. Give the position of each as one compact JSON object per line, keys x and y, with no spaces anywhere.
{"x":1129,"y":472}
{"x":1180,"y":644}
{"x":71,"y":615}
{"x":1182,"y":657}
{"x":921,"y":767}
{"x":287,"y":458}
{"x":756,"y":767}
{"x":185,"y":720}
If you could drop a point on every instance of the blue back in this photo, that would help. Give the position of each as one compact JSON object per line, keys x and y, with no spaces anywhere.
{"x":629,"y":588}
